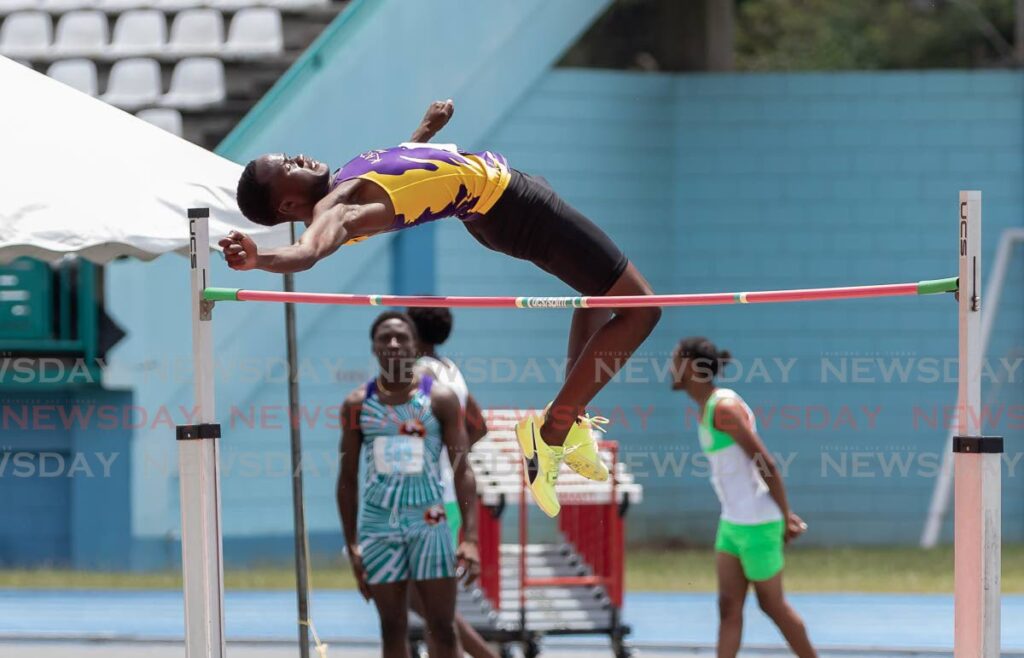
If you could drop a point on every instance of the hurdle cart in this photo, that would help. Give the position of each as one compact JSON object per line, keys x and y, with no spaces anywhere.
{"x":571,"y":586}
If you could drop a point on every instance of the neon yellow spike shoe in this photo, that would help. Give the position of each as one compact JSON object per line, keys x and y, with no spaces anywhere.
{"x":581,"y":453}
{"x":542,"y":465}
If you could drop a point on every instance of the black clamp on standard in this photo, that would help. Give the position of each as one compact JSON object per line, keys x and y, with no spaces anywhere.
{"x":194,"y":432}
{"x":978,"y":444}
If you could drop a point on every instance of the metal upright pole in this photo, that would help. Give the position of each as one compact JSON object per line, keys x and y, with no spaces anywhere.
{"x":198,"y":456}
{"x":299,"y":515}
{"x":976,"y":465}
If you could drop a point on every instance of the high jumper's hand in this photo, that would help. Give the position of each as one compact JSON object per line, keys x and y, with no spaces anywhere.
{"x":239,"y":251}
{"x":437,"y":116}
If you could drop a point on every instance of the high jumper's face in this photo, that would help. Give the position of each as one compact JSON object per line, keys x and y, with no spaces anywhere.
{"x":297,"y":183}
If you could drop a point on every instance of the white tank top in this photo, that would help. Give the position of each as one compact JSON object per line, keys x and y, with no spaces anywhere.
{"x":734,"y":475}
{"x":446,"y":372}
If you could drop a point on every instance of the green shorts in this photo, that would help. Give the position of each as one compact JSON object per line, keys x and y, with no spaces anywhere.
{"x":758,"y":547}
{"x":454,"y":520}
{"x":410,"y":543}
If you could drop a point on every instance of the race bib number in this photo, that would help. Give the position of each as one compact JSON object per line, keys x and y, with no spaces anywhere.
{"x":398,"y":455}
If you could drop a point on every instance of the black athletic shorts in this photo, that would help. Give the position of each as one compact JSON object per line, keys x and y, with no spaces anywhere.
{"x":533,"y":223}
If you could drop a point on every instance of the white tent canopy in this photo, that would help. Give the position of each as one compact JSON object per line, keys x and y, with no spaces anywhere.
{"x":80,"y":176}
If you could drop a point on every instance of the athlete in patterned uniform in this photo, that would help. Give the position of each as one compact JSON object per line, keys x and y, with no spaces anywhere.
{"x":433,"y":326}
{"x":506,"y":211}
{"x":756,"y":520}
{"x":395,"y":527}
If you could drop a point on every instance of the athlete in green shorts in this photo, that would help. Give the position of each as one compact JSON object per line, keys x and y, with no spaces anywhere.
{"x":433,"y":327}
{"x":756,"y":520}
{"x":395,"y":526}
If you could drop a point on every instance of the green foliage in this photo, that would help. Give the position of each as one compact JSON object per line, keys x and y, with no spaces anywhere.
{"x":827,"y":35}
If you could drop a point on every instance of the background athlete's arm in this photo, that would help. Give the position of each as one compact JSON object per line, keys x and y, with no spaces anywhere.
{"x":328,"y":231}
{"x":347,"y":490}
{"x":445,"y":405}
{"x":731,"y":417}
{"x":476,"y":425}
{"x":438,"y":114}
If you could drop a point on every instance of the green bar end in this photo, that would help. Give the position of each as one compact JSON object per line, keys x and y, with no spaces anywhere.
{"x":220,"y":294}
{"x":938,"y":285}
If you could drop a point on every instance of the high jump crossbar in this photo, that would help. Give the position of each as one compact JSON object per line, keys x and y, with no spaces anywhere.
{"x":699,"y":299}
{"x":977,"y":460}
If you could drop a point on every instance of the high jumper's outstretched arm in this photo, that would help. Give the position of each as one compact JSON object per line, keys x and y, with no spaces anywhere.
{"x":436,"y":117}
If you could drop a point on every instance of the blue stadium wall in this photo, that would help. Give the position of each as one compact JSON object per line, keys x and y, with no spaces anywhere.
{"x":709,"y":182}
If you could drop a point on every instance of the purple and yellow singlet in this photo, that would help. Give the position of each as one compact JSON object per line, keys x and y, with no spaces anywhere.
{"x":428,"y":182}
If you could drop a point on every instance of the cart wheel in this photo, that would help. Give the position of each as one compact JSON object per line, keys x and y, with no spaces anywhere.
{"x":621,"y":650}
{"x":508,"y":651}
{"x":531,"y":649}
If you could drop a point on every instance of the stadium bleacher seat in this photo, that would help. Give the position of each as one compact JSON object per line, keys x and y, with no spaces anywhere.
{"x":196,"y":32}
{"x":197,"y":83}
{"x":27,"y":35}
{"x":61,"y":6}
{"x":81,"y":34}
{"x":117,"y":6}
{"x":134,"y":83}
{"x":77,"y":73}
{"x":255,"y":32}
{"x":201,"y":63}
{"x":163,"y":117}
{"x":11,"y":6}
{"x":139,"y":32}
{"x":177,"y":5}
{"x":296,"y":5}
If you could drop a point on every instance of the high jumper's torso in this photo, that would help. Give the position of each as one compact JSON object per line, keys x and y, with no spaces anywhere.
{"x":425,"y":182}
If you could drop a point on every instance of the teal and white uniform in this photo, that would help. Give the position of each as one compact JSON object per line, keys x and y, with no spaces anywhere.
{"x":403,"y":532}
{"x":751,"y":525}
{"x":447,"y":373}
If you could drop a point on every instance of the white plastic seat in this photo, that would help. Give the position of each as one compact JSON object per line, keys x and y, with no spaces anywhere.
{"x":133,"y":83}
{"x":79,"y":74}
{"x":62,"y":6}
{"x":117,"y":6}
{"x":197,"y":32}
{"x":27,"y":35}
{"x":255,"y":32}
{"x":81,"y":34}
{"x":283,"y":5}
{"x":11,"y":6}
{"x":163,"y":117}
{"x":296,"y":5}
{"x":139,"y":32}
{"x":177,"y":5}
{"x":234,"y":5}
{"x":197,"y":83}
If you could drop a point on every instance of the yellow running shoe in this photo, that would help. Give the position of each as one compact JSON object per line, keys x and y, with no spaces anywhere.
{"x":542,"y":465}
{"x":581,"y":453}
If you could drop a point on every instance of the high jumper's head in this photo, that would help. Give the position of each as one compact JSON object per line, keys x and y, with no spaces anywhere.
{"x":695,"y":362}
{"x":277,"y":188}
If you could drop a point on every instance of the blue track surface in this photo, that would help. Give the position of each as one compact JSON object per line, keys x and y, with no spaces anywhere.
{"x":837,"y":620}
